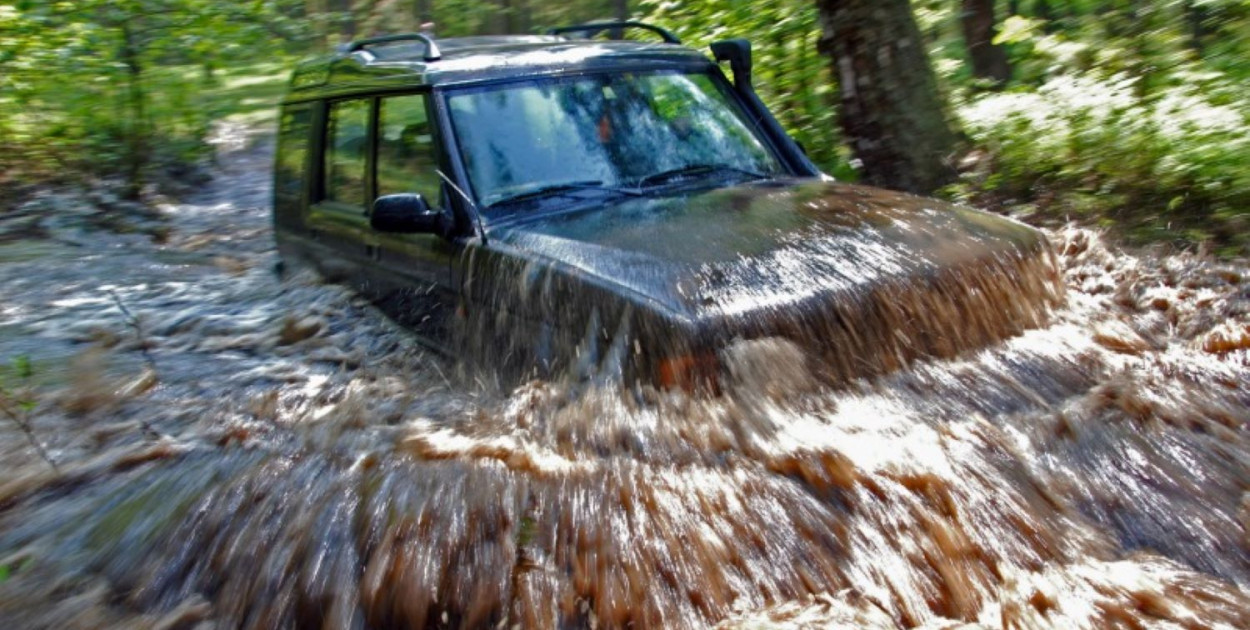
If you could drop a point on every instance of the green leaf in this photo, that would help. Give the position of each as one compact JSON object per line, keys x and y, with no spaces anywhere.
{"x":1017,"y":29}
{"x":22,"y":366}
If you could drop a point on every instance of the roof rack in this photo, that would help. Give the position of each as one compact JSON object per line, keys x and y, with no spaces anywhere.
{"x":431,"y":49}
{"x":594,"y":28}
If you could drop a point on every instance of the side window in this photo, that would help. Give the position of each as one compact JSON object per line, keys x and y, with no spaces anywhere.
{"x":292,"y":150}
{"x":347,"y":143}
{"x":407,"y":158}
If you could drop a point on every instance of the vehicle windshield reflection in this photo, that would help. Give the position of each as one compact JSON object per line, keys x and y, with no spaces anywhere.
{"x":617,"y":130}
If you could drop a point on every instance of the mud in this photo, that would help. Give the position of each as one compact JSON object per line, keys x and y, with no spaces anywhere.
{"x":239,"y":450}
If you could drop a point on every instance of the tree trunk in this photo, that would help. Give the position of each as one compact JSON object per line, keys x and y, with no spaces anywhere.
{"x":424,"y":12}
{"x":989,"y":60}
{"x":137,"y":128}
{"x":622,"y":9}
{"x":345,"y":13}
{"x":1195,"y":18}
{"x":1043,"y":12}
{"x":519,"y":18}
{"x":315,"y":14}
{"x":891,"y":113}
{"x":501,"y":19}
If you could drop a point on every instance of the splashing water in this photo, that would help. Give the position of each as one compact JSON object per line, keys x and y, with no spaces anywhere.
{"x":301,"y":462}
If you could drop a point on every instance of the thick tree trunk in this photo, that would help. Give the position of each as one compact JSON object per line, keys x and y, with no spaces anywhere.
{"x":891,"y":114}
{"x":622,"y":9}
{"x":989,"y":60}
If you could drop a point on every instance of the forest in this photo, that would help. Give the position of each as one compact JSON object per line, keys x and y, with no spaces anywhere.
{"x":1128,"y":115}
{"x":704,"y":395}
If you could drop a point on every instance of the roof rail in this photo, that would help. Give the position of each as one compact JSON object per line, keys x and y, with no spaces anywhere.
{"x":431,"y":49}
{"x":594,"y":28}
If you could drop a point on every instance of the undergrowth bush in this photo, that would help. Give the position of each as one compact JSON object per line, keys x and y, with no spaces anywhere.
{"x":123,"y":94}
{"x":1170,"y":163}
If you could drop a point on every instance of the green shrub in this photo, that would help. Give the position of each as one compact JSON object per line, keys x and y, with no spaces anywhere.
{"x":1171,"y":163}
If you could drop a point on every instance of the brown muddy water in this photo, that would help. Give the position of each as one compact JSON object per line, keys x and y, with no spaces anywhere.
{"x":235,"y":450}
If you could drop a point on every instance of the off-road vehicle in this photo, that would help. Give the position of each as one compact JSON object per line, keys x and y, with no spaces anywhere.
{"x":621,"y":206}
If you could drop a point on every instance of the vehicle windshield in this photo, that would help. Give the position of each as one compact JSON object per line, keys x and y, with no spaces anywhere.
{"x":615,"y":131}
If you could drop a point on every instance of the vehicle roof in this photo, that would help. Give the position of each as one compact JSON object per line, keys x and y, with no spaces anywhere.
{"x":483,"y":58}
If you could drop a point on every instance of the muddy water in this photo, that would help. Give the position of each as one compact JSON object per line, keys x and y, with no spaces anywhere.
{"x":264,"y":453}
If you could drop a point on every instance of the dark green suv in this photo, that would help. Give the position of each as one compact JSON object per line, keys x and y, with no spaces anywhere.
{"x":621,"y":207}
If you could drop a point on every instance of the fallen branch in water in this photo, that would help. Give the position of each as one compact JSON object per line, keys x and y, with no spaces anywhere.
{"x":133,"y":322}
{"x":17,"y":405}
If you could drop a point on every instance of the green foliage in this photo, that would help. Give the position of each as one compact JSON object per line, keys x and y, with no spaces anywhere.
{"x":17,"y":401}
{"x":111,"y":88}
{"x":1092,"y":147}
{"x":457,"y":18}
{"x":1132,"y":113}
{"x":1129,"y":118}
{"x":22,"y":367}
{"x":16,"y":394}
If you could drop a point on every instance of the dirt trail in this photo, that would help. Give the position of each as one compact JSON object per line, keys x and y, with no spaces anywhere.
{"x":236,"y":450}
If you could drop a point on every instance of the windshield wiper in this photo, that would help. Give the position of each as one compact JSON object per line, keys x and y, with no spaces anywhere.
{"x":562,"y":189}
{"x":695,"y":170}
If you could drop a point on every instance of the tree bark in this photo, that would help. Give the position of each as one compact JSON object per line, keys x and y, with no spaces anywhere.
{"x":1195,"y":18}
{"x":519,"y":19}
{"x":424,"y":12}
{"x":622,"y":9}
{"x":137,"y":127}
{"x":501,"y":18}
{"x":344,"y":16}
{"x":314,"y":13}
{"x":989,"y":60}
{"x":1043,"y":12}
{"x":891,"y":112}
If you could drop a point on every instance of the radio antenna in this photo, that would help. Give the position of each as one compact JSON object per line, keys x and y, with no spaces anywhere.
{"x":477,"y":213}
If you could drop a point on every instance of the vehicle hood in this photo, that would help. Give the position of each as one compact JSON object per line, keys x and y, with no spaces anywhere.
{"x":754,"y":246}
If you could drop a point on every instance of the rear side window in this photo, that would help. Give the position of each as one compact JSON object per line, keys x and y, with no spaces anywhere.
{"x":292,"y":150}
{"x":347,"y":144}
{"x":407,"y":160}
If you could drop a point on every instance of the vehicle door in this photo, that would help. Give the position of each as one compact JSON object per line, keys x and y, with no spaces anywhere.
{"x":337,"y":218}
{"x":290,"y":181}
{"x":420,"y":293}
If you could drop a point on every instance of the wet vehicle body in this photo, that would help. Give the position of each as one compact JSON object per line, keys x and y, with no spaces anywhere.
{"x":622,"y":207}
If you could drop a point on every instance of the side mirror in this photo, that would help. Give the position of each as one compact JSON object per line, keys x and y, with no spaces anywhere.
{"x":406,"y":213}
